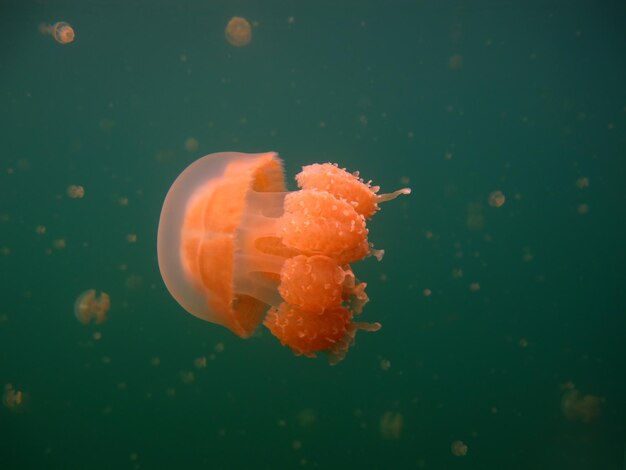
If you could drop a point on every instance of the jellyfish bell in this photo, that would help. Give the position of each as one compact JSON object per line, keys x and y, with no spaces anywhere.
{"x":63,"y":32}
{"x":238,"y":31}
{"x":235,"y":248}
{"x":196,"y":236}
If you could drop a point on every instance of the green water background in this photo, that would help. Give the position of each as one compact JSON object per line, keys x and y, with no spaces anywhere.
{"x":538,"y":102}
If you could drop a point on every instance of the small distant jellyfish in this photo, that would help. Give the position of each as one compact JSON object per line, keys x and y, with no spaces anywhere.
{"x":238,"y":31}
{"x":578,"y":407}
{"x":582,"y":183}
{"x":458,"y":448}
{"x":455,"y":62}
{"x":475,"y":218}
{"x":75,"y":191}
{"x":496,"y":199}
{"x":191,"y":144}
{"x":391,"y":425}
{"x":59,"y":244}
{"x":307,"y":418}
{"x":13,"y":399}
{"x":583,"y":209}
{"x":200,"y":362}
{"x":61,"y":31}
{"x":187,"y":377}
{"x":89,"y":306}
{"x":133,"y":282}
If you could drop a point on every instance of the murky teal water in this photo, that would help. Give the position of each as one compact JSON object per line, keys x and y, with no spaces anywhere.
{"x":503,"y":328}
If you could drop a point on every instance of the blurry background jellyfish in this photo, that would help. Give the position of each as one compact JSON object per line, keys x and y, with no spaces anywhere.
{"x":391,"y":424}
{"x":578,"y":407}
{"x":90,"y":307}
{"x":61,"y":31}
{"x":238,"y":31}
{"x":233,"y":243}
{"x":13,"y":399}
{"x":458,"y":448}
{"x":75,"y":191}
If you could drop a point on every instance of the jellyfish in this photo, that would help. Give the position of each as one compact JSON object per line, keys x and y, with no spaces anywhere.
{"x":458,"y":448}
{"x":13,"y":399}
{"x":89,"y":306}
{"x":238,"y":31}
{"x":578,"y":407}
{"x":61,"y":31}
{"x":75,"y":191}
{"x":237,"y":249}
{"x":391,"y":424}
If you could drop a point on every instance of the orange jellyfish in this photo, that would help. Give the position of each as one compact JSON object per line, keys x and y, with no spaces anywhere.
{"x":237,"y":249}
{"x":61,"y":31}
{"x":89,"y":306}
{"x":75,"y":191}
{"x":238,"y":31}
